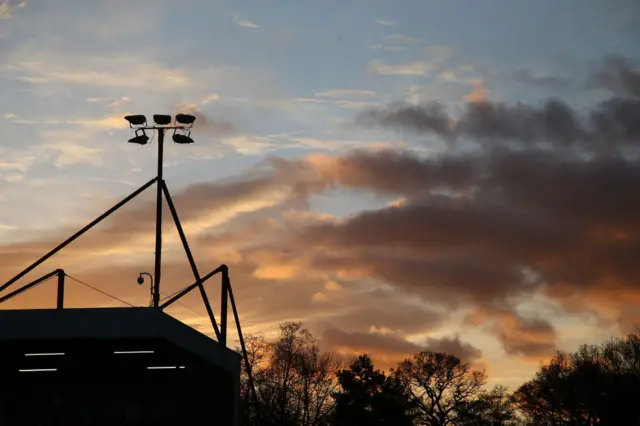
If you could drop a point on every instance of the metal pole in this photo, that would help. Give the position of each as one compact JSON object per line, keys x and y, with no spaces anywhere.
{"x":60,"y":304}
{"x":77,"y":234}
{"x":247,"y":365}
{"x":160,"y":183}
{"x":150,"y":287}
{"x":224,"y":303}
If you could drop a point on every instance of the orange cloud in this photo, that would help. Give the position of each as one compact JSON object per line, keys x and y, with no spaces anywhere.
{"x":478,"y":95}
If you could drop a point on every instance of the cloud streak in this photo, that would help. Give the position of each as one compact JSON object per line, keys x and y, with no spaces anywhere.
{"x":244,"y":23}
{"x":416,"y":68}
{"x":6,"y":8}
{"x":385,"y":23}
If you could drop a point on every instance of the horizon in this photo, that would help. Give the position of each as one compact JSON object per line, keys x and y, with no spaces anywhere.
{"x":425,"y":176}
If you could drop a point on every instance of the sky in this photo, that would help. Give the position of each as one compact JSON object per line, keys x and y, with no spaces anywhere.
{"x":399,"y":176}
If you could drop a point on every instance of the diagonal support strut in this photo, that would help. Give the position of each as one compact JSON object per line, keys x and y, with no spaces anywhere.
{"x":78,"y":234}
{"x":192,"y":262}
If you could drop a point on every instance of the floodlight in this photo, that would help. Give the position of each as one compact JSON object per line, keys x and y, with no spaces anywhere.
{"x":136,"y":120}
{"x":162,"y":119}
{"x":185,"y":119}
{"x":182,"y":139}
{"x":140,"y":139}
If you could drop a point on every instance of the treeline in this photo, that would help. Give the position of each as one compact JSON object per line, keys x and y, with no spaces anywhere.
{"x":298,"y":384}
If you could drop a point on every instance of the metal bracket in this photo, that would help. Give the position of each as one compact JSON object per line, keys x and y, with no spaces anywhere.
{"x":60,"y":298}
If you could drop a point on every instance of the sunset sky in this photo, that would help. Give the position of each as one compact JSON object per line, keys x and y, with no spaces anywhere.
{"x":442,"y":175}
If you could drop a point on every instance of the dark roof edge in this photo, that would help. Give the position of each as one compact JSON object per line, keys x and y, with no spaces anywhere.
{"x":114,"y":323}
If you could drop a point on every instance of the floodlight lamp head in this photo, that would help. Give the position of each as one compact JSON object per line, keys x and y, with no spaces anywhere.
{"x":185,"y":119}
{"x":140,"y":138}
{"x":162,"y":119}
{"x":182,"y":139}
{"x":136,"y":120}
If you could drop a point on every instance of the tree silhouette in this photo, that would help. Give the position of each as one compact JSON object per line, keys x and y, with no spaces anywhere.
{"x":597,"y":385}
{"x":368,"y":397}
{"x":294,"y":379}
{"x":492,"y":408}
{"x":257,"y":354}
{"x":298,"y":384}
{"x":440,"y":385}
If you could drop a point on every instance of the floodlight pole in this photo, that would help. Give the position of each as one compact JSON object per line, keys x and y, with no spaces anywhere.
{"x":159,"y":185}
{"x":183,"y":122}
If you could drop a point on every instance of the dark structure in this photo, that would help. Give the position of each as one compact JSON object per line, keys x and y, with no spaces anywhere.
{"x":113,"y":366}
{"x":121,"y":366}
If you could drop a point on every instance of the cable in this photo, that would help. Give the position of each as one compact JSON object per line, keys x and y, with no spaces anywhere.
{"x":172,"y":294}
{"x":184,"y":304}
{"x":192,"y":310}
{"x":100,"y":291}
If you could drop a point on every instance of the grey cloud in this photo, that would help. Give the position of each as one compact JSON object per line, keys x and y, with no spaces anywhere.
{"x":487,"y":122}
{"x":396,"y":346}
{"x":532,"y":337}
{"x":570,"y":222}
{"x":616,"y":121}
{"x":427,"y":118}
{"x":553,"y":122}
{"x":567,"y":190}
{"x":396,"y":172}
{"x":524,"y":204}
{"x":454,"y":346}
{"x":618,"y":75}
{"x":450,"y":281}
{"x":607,"y":125}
